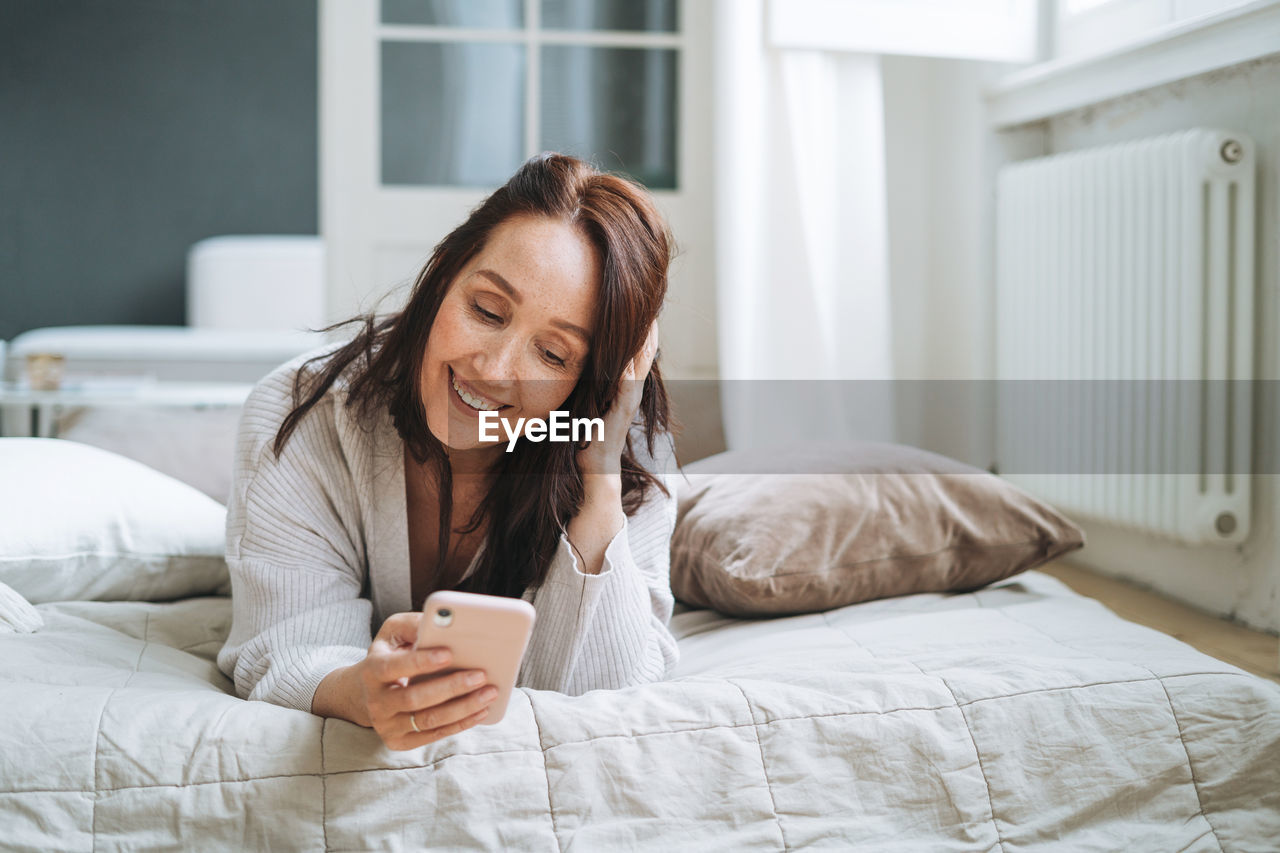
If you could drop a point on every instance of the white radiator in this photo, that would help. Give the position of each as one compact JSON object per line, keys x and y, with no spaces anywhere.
{"x":1124,"y":332}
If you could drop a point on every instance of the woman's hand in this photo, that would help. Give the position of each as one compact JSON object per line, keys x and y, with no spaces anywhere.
{"x":601,"y":517}
{"x":380,"y":692}
{"x":604,"y":457}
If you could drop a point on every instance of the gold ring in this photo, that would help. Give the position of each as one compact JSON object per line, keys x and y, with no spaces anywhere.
{"x":413,"y":722}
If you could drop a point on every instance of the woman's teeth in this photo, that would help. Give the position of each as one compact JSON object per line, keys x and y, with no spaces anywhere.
{"x":472,"y":400}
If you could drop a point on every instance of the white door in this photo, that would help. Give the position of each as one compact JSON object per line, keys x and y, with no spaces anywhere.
{"x":426,"y":106}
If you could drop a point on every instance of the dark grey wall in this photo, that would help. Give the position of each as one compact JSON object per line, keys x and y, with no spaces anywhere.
{"x":129,"y":130}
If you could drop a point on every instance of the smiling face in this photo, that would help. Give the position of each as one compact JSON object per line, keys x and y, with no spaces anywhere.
{"x":512,"y":333}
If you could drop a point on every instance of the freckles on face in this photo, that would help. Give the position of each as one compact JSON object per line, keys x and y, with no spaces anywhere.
{"x":512,"y":333}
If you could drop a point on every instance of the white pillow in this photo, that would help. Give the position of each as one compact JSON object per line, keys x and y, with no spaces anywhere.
{"x":80,"y":523}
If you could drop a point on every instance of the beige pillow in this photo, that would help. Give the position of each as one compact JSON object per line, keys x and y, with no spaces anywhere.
{"x":796,"y":530}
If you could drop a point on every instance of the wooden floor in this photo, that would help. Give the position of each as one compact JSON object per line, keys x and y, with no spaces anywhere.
{"x":1254,"y":651}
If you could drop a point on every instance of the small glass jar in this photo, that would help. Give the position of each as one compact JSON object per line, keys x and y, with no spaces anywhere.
{"x":44,"y":370}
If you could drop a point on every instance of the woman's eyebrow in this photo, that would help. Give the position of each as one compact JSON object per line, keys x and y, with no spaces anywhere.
{"x":506,"y":288}
{"x":503,"y":284}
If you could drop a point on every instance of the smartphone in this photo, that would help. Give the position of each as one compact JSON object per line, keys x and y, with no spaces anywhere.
{"x":487,"y":632}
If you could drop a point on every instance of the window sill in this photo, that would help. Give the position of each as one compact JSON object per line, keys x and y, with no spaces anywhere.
{"x":1175,"y":52}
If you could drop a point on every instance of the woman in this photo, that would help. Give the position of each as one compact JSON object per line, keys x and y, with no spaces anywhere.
{"x":362,"y":485}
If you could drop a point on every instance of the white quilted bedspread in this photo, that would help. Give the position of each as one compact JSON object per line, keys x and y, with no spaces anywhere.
{"x":1020,"y":717}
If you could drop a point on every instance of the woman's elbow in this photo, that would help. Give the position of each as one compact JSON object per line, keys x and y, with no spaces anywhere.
{"x":657,"y":662}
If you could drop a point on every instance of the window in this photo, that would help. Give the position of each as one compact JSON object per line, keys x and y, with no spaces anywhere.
{"x":1093,"y":26}
{"x":1003,"y":30}
{"x":471,"y":88}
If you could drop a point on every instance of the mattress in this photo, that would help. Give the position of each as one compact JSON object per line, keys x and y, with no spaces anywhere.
{"x":177,"y":353}
{"x":1021,"y":716}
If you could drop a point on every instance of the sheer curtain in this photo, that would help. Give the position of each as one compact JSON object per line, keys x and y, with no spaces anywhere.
{"x":801,"y":233}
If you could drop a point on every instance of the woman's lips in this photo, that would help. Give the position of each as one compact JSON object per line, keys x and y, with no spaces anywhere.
{"x":458,"y":403}
{"x":462,"y":405}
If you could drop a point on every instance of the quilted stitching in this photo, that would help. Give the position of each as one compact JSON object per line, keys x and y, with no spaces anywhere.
{"x":97,"y":742}
{"x":767,"y":721}
{"x":986,"y":780}
{"x":773,"y":717}
{"x":977,"y":754}
{"x":764,"y":767}
{"x":546,"y":775}
{"x":1190,"y":767}
{"x":1173,"y":711}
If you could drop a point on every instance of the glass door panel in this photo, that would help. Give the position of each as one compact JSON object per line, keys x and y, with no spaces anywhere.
{"x":453,"y":113}
{"x":492,"y":14}
{"x":616,"y":106}
{"x":650,"y":16}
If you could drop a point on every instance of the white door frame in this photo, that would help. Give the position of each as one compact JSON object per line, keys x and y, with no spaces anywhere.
{"x":379,"y":236}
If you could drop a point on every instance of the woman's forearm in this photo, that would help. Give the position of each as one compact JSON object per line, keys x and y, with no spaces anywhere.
{"x":339,"y":695}
{"x":599,"y":520}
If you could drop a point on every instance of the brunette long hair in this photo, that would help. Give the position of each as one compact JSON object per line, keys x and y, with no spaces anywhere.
{"x":538,"y":487}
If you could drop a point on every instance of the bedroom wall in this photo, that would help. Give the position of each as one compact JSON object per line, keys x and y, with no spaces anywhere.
{"x":1241,"y":583}
{"x":134,"y":128}
{"x":942,"y":160}
{"x":936,"y":145}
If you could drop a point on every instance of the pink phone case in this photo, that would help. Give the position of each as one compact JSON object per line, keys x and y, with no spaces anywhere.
{"x":488,"y":632}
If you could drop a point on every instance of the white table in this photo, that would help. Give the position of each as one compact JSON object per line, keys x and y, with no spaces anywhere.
{"x":43,"y":407}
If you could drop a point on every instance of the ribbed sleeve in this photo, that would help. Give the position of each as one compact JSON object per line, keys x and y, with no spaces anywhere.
{"x":305,"y":571}
{"x":295,"y":554}
{"x":609,"y":630}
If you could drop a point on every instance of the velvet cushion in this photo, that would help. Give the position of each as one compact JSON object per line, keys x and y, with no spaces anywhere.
{"x":795,"y":530}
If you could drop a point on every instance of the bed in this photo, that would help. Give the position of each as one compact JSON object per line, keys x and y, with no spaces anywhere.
{"x":1019,"y":716}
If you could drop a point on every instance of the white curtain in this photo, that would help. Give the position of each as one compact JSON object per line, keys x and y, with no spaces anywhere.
{"x":802,"y":255}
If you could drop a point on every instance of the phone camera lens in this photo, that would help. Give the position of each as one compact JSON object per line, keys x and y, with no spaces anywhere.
{"x":444,"y":616}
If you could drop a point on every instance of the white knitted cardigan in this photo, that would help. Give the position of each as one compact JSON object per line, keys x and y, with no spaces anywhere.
{"x":318,"y":550}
